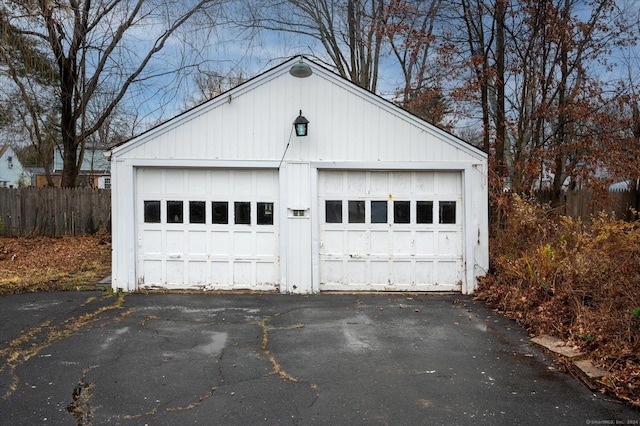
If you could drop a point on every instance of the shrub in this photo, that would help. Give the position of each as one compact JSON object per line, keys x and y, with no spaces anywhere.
{"x":579,"y":281}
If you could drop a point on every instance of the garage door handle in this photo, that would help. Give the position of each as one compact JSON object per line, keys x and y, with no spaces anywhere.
{"x":175,"y":256}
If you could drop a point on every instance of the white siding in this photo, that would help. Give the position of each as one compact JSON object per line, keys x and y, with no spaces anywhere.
{"x":350,"y":129}
{"x":256,"y":125}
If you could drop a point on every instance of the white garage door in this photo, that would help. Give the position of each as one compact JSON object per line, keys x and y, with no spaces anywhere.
{"x":390,"y":230}
{"x":204,"y":228}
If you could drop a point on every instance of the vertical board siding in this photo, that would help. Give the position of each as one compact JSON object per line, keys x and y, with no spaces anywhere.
{"x":256,"y":124}
{"x":54,"y":211}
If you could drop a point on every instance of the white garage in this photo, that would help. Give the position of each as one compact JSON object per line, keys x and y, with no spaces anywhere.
{"x":227,"y":196}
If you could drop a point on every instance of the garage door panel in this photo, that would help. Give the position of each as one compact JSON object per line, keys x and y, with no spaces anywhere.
{"x":379,"y":242}
{"x":402,"y":242}
{"x":198,"y":242}
{"x":357,"y":272}
{"x":266,"y":183}
{"x":401,"y":272}
{"x":220,"y":273}
{"x":424,"y":271}
{"x":266,"y":273}
{"x":265,"y":241}
{"x":175,"y":241}
{"x":448,"y":272}
{"x":423,"y":183}
{"x":242,"y":273}
{"x":151,"y":181}
{"x":220,"y":243}
{"x":242,"y":183}
{"x":174,"y":182}
{"x":357,"y":242}
{"x":214,"y":251}
{"x":220,"y":185}
{"x":356,"y":182}
{"x":332,"y":241}
{"x":425,"y":243}
{"x":198,"y":182}
{"x":379,"y":271}
{"x":175,"y":272}
{"x":333,"y":182}
{"x":448,"y":182}
{"x":152,"y":241}
{"x":401,"y":184}
{"x":198,"y":273}
{"x":242,"y":243}
{"x":399,"y":256}
{"x":380,"y":182}
{"x":153,"y":271}
{"x":448,"y":243}
{"x":332,"y":272}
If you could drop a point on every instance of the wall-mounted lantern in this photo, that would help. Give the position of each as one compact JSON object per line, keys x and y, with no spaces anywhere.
{"x":301,"y":125}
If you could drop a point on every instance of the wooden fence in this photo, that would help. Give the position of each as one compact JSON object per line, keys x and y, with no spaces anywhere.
{"x":54,"y":211}
{"x":583,"y":204}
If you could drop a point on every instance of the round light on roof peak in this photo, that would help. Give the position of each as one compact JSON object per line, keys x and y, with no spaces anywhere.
{"x":300,"y":70}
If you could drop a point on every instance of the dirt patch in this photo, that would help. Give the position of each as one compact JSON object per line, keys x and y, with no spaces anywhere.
{"x":60,"y":263}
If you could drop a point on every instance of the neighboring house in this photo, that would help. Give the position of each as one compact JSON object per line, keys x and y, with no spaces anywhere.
{"x":94,"y":172}
{"x":226,"y":196}
{"x":36,"y":174}
{"x":12,"y":174}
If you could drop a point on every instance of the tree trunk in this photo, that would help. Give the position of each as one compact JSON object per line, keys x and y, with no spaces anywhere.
{"x":501,"y":128}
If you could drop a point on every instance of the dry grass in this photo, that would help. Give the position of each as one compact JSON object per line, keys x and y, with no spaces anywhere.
{"x":62,"y":263}
{"x":576,"y":281}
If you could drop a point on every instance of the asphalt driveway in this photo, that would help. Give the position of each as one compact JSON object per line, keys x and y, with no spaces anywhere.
{"x":388,"y":359}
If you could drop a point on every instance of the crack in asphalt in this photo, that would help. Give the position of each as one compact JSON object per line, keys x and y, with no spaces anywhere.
{"x":31,"y":342}
{"x":34,"y":340}
{"x":277,"y":369}
{"x":190,"y":406}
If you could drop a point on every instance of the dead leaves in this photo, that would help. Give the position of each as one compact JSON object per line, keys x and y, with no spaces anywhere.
{"x":42,"y":263}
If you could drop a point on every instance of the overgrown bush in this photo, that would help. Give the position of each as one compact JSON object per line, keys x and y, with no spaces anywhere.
{"x":574,"y":280}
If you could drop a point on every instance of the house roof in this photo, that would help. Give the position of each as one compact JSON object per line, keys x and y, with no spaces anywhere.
{"x":3,"y":149}
{"x":284,"y":68}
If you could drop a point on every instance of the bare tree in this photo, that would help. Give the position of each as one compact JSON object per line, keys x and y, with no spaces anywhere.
{"x":537,"y":68}
{"x":70,"y":53}
{"x":348,"y":30}
{"x":210,"y":84}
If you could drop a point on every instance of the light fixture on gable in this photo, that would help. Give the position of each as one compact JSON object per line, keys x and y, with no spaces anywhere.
{"x":301,"y":125}
{"x":300,"y":70}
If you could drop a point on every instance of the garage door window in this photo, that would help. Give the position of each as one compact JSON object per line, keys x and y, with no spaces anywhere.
{"x":174,"y":212}
{"x":447,"y":212}
{"x":265,"y":214}
{"x":333,"y":211}
{"x":378,"y":212}
{"x":356,"y":211}
{"x":401,"y":212}
{"x":242,"y":213}
{"x":152,"y":211}
{"x":220,"y":212}
{"x":424,"y":212}
{"x":196,"y":212}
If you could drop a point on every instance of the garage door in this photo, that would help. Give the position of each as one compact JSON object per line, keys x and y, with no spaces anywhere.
{"x":207,"y":229}
{"x":390,"y":230}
